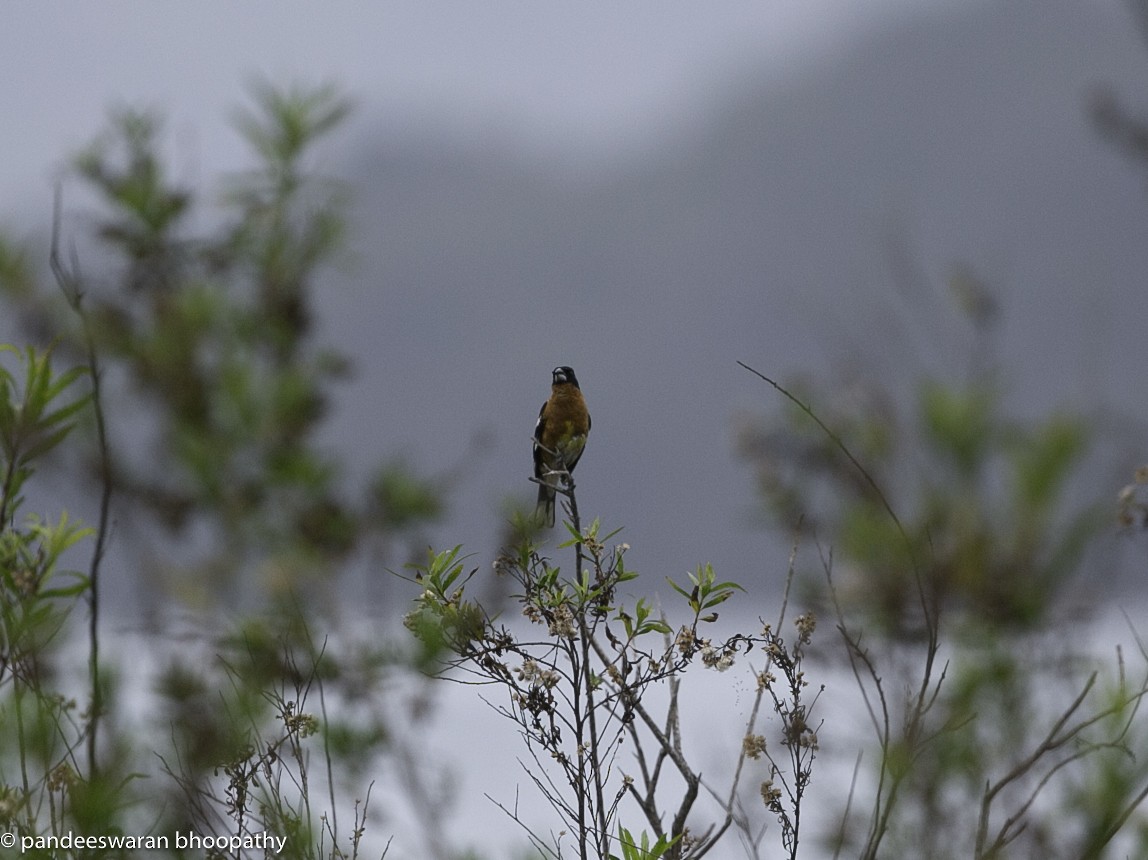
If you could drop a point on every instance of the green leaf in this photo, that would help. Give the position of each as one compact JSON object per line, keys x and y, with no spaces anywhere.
{"x":80,"y":586}
{"x":1044,"y":459}
{"x":959,"y":424}
{"x":46,"y":443}
{"x":642,"y":850}
{"x":403,"y":500}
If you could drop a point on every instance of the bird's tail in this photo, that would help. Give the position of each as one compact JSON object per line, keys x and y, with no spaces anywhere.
{"x":545,"y":510}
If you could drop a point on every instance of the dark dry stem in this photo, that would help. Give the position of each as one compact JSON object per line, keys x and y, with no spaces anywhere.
{"x":535,"y":840}
{"x":1059,"y":735}
{"x":69,"y":283}
{"x":860,"y":663}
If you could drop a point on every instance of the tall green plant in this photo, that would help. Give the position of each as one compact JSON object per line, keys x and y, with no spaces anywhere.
{"x":214,"y":393}
{"x":46,"y":727}
{"x":210,"y":339}
{"x":945,"y":580}
{"x":986,"y":525}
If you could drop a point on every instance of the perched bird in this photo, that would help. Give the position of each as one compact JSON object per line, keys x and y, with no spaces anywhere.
{"x":559,"y":437}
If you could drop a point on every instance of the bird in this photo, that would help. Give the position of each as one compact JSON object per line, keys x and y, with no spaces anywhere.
{"x":559,"y":438}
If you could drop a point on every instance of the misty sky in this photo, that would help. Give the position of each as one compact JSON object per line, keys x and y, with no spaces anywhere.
{"x":698,"y":183}
{"x":590,"y":79}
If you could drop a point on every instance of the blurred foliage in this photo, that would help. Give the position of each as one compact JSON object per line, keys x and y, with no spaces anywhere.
{"x":216,"y":424}
{"x":1032,"y":747}
{"x":955,"y":505}
{"x":1119,"y":124}
{"x":214,"y":393}
{"x":949,"y":533}
{"x":36,"y":414}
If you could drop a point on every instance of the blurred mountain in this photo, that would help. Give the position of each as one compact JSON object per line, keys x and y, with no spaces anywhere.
{"x":806,"y":225}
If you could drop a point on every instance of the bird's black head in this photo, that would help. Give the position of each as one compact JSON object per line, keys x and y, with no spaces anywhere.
{"x":565,"y":374}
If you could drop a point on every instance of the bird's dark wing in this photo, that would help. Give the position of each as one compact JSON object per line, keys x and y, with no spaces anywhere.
{"x":570,"y":466}
{"x":539,"y":454}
